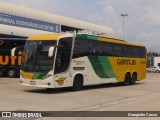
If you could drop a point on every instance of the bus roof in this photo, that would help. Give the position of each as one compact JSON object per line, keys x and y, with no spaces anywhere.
{"x":106,"y":39}
{"x":83,"y":36}
{"x":45,"y":37}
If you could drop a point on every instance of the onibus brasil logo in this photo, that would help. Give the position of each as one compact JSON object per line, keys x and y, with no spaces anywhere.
{"x":21,"y":114}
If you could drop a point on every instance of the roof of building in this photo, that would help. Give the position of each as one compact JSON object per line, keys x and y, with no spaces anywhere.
{"x":18,"y":10}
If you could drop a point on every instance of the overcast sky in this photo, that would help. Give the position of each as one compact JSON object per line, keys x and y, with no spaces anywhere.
{"x":142,"y":25}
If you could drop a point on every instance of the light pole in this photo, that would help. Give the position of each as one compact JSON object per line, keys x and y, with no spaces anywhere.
{"x":124,"y":15}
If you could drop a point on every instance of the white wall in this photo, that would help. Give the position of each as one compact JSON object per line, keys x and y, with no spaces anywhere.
{"x":156,"y":61}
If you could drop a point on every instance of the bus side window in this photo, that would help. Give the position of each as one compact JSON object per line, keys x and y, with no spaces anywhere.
{"x":1,"y":42}
{"x":95,"y":48}
{"x":20,"y":43}
{"x":108,"y":49}
{"x":119,"y":50}
{"x":8,"y":44}
{"x":129,"y":51}
{"x":63,"y":55}
{"x":80,"y":48}
{"x":142,"y":52}
{"x":136,"y":52}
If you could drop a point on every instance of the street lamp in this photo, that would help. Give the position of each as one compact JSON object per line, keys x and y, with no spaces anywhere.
{"x":123,"y":15}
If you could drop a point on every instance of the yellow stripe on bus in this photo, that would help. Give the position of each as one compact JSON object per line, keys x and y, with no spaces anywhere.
{"x":45,"y":37}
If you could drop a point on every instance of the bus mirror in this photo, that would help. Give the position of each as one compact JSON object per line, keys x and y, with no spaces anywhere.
{"x":50,"y":52}
{"x":13,"y":51}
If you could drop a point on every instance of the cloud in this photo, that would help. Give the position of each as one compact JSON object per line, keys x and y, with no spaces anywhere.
{"x":108,"y":17}
{"x":150,"y":40}
{"x":141,"y":25}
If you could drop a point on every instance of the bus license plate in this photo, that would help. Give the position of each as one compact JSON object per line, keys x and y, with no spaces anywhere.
{"x":32,"y":82}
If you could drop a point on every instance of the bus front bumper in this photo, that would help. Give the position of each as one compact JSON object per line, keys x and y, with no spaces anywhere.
{"x":47,"y":83}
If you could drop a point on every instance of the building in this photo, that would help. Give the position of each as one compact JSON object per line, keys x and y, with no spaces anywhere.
{"x":19,"y":21}
{"x":156,"y":61}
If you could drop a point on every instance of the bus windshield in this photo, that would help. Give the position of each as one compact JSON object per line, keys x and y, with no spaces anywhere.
{"x":35,"y":56}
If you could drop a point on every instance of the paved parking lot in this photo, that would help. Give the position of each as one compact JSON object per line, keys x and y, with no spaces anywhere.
{"x":144,"y":96}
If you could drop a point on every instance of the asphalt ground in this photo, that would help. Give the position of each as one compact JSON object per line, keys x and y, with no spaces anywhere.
{"x":144,"y":96}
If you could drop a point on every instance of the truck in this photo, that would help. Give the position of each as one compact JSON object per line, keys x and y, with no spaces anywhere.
{"x":157,"y":61}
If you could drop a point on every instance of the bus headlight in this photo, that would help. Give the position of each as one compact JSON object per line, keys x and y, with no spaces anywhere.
{"x":47,"y":76}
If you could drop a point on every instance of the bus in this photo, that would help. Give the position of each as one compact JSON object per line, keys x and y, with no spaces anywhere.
{"x":77,"y":60}
{"x":10,"y":66}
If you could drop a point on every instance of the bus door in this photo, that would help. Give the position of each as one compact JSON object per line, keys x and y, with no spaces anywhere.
{"x":62,"y":69}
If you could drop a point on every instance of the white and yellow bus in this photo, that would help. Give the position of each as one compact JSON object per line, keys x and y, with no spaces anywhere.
{"x":76,"y":60}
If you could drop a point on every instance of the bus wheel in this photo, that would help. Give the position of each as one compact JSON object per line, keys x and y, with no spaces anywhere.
{"x":127,"y":79}
{"x":1,"y":72}
{"x":78,"y":83}
{"x":11,"y":73}
{"x":134,"y":79}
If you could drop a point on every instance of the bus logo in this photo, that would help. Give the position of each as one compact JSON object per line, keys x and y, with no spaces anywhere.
{"x":1,"y":42}
{"x":4,"y":60}
{"x":61,"y":81}
{"x":6,"y":114}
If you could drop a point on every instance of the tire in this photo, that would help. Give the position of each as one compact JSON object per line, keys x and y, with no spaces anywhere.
{"x":11,"y":73}
{"x":134,"y":79}
{"x":158,"y":71}
{"x":78,"y":83}
{"x":127,"y":80}
{"x":1,"y":72}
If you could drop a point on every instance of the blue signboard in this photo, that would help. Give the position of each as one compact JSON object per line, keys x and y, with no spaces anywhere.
{"x":18,"y":21}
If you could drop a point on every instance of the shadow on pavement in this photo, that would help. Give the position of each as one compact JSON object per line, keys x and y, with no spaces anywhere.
{"x":86,"y":88}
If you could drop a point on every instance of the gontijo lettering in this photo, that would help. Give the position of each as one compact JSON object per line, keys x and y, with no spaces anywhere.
{"x":126,"y":62}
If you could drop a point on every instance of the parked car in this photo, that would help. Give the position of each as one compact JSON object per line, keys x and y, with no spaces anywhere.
{"x":153,"y":69}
